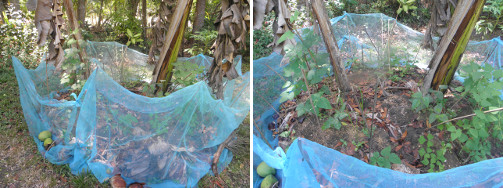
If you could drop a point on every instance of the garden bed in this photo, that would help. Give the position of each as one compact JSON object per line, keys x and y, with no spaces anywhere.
{"x":381,"y":98}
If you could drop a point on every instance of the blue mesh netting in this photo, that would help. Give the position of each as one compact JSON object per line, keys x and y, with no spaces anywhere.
{"x":372,"y":39}
{"x":108,"y":130}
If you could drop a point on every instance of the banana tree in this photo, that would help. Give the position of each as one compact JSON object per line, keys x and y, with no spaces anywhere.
{"x":233,"y":28}
{"x":441,"y":13}
{"x":444,"y":63}
{"x":173,"y":40}
{"x":162,"y":22}
{"x":263,"y":7}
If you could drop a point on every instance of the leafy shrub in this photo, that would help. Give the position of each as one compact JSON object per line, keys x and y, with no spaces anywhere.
{"x":18,"y":38}
{"x":203,"y":41}
{"x":490,"y":20}
{"x":186,"y":73}
{"x":482,"y":88}
{"x":262,"y":38}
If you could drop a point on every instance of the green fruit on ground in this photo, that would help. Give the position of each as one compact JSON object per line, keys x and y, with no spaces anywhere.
{"x":47,"y":142}
{"x":263,"y":170}
{"x":43,"y":135}
{"x":268,"y":181}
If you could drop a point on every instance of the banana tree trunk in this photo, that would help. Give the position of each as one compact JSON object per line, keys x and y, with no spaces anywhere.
{"x":444,"y":63}
{"x":172,"y":43}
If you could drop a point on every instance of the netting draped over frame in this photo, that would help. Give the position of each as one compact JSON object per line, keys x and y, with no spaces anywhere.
{"x":108,"y":130}
{"x":372,"y":39}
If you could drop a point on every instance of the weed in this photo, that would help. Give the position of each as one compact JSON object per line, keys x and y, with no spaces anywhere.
{"x":431,"y":157}
{"x":385,"y":158}
{"x":335,"y":121}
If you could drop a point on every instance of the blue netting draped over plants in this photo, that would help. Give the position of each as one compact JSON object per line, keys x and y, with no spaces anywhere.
{"x":372,"y":39}
{"x":108,"y":130}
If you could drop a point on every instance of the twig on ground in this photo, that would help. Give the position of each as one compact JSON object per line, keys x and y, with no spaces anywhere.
{"x":216,"y":156}
{"x":405,"y":88}
{"x":270,"y":105}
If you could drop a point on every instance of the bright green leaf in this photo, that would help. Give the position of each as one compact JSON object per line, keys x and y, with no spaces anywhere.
{"x":394,"y":159}
{"x":386,"y":151}
{"x":287,"y":35}
{"x":421,"y":139}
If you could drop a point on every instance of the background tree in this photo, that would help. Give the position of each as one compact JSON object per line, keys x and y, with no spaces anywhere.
{"x":100,"y":13}
{"x":445,"y":62}
{"x":81,"y":12}
{"x":199,"y":16}
{"x":133,"y":7}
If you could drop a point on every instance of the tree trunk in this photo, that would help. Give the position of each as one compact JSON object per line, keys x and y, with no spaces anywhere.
{"x":445,"y":62}
{"x":76,"y":35}
{"x":3,"y":7}
{"x":172,"y":43}
{"x":199,"y":17}
{"x":144,"y":20}
{"x":99,"y":14}
{"x":332,"y":48}
{"x":133,"y":7}
{"x":81,"y":12}
{"x":161,"y":24}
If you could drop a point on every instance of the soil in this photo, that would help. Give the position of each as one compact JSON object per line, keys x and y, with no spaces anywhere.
{"x":395,"y":124}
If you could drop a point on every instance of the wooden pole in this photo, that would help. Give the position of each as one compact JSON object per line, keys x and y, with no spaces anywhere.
{"x":332,"y":48}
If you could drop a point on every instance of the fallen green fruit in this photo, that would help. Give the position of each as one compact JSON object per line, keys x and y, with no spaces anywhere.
{"x":43,"y":135}
{"x":268,"y":181}
{"x":47,"y":142}
{"x":263,"y":170}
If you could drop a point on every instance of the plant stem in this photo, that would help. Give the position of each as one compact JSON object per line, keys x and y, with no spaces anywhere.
{"x":373,"y":115}
{"x":310,"y":98}
{"x":301,"y":40}
{"x":261,"y":135}
{"x":276,"y":73}
{"x":467,"y":116}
